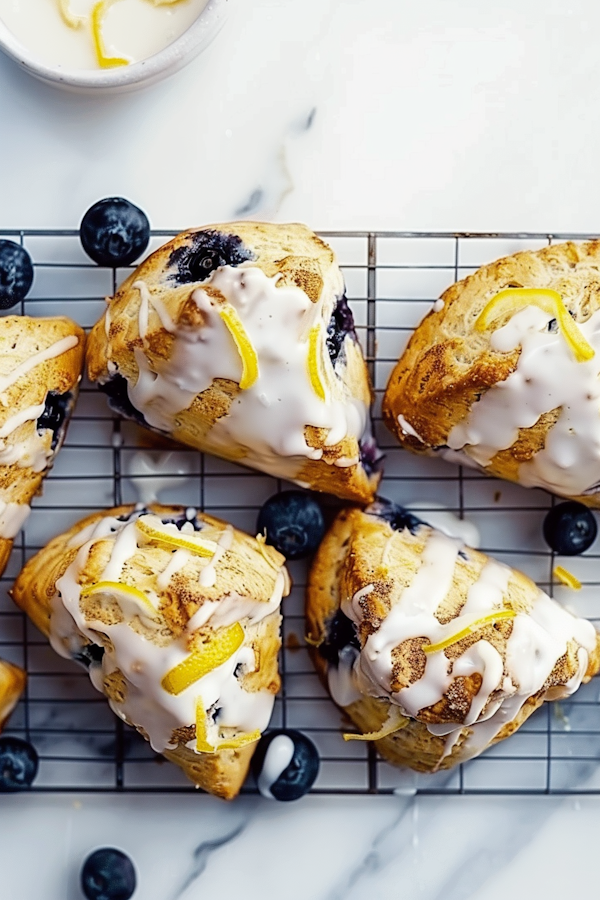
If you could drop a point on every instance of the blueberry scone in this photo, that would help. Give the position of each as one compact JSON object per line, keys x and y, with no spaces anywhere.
{"x":237,"y":339}
{"x":433,"y":650}
{"x":40,"y":370}
{"x":503,"y":373}
{"x":175,"y":615}
{"x":12,"y":685}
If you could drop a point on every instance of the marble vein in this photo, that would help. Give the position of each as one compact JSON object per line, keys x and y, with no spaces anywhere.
{"x":202,"y":854}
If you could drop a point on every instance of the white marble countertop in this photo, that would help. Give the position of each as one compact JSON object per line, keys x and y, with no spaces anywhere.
{"x":346,"y":114}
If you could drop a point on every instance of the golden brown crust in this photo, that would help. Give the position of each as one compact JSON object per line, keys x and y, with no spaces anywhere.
{"x":299,"y":258}
{"x":12,"y":685}
{"x":245,"y":570}
{"x":21,"y":337}
{"x":448,"y":365}
{"x":361,"y":549}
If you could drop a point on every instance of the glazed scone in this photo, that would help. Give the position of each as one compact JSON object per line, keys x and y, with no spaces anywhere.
{"x":514,"y":390}
{"x":40,"y":370}
{"x":431,"y":648}
{"x":237,"y":340}
{"x":176,"y":616}
{"x":12,"y":685}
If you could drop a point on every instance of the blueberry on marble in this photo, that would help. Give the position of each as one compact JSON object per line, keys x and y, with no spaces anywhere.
{"x":108,"y":874}
{"x":398,"y":517}
{"x":114,"y":232}
{"x":570,"y":528}
{"x":18,"y":764}
{"x":340,"y":633}
{"x":207,"y":251}
{"x":285,"y":764}
{"x":16,"y":274}
{"x":340,"y":325}
{"x":293,"y":523}
{"x":56,"y":411}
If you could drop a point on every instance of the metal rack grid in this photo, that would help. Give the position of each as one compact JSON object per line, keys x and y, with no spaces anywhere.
{"x":392,"y":279}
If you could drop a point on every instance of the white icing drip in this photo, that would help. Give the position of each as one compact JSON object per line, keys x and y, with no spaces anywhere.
{"x":36,"y":359}
{"x":12,"y":518}
{"x":268,"y":418}
{"x":341,"y":680}
{"x":208,"y":575}
{"x":537,"y":641}
{"x":406,"y":428}
{"x":177,"y":562}
{"x":279,"y":755}
{"x":147,"y":301}
{"x":24,"y":415}
{"x":547,"y":377}
{"x":144,"y":663}
{"x":150,"y":473}
{"x":440,"y":517}
{"x":438,"y":305}
{"x":31,"y":452}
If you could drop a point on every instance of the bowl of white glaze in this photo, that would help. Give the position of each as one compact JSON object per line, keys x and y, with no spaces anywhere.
{"x":196,"y":37}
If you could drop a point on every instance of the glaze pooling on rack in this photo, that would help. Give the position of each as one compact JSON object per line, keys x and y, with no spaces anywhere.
{"x":139,"y":650}
{"x":547,"y":377}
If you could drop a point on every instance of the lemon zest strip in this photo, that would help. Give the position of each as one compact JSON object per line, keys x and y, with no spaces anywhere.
{"x":550,"y":302}
{"x":151,"y":527}
{"x":313,"y":642}
{"x":99,"y":10}
{"x":314,"y":362}
{"x":567,"y":578}
{"x":394,"y":722}
{"x":108,"y":587}
{"x":469,"y":629}
{"x":217,"y":650}
{"x":244,"y":345}
{"x":67,"y":16}
{"x":202,"y":745}
{"x":240,"y":741}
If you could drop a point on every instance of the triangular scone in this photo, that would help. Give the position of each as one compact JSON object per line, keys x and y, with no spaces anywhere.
{"x":40,"y":369}
{"x":176,"y":616}
{"x":515,"y":391}
{"x":237,"y":339}
{"x":430,"y":647}
{"x":12,"y":685}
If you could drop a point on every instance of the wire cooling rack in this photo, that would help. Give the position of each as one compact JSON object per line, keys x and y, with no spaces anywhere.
{"x":392,"y":279}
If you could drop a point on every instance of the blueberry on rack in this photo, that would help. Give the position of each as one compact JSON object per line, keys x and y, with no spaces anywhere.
{"x":570,"y":528}
{"x":114,"y":232}
{"x":16,"y":274}
{"x":292,"y":522}
{"x":18,"y":764}
{"x":285,"y":764}
{"x":108,"y":874}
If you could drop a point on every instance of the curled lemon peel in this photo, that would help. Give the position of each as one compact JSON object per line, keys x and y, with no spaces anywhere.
{"x":202,"y":745}
{"x":492,"y":617}
{"x":67,"y":16}
{"x":550,"y":302}
{"x":394,"y":722}
{"x":261,"y":540}
{"x":218,"y":649}
{"x":125,"y":590}
{"x":567,"y":578}
{"x":105,"y":61}
{"x":313,"y":642}
{"x":152,"y":528}
{"x":244,"y":346}
{"x":314,"y":362}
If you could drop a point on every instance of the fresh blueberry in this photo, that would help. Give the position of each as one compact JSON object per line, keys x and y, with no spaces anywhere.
{"x":89,"y":655}
{"x":398,"y":517}
{"x":56,"y":411}
{"x":293,"y":523}
{"x":16,"y":274}
{"x":285,"y":764}
{"x":118,"y":398}
{"x":18,"y":764}
{"x":340,"y":633}
{"x":108,"y":874}
{"x":114,"y":232}
{"x":207,"y":251}
{"x":570,"y":528}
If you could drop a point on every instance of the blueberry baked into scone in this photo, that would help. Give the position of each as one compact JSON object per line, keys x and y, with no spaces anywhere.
{"x":503,"y":373}
{"x":175,"y":614}
{"x":237,"y":339}
{"x":40,"y":370}
{"x":432,"y":649}
{"x":12,"y":685}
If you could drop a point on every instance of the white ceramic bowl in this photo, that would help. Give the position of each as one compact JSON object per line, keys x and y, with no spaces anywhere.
{"x":124,"y":78}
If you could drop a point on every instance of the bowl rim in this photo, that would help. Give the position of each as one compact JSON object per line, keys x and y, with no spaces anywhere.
{"x":169,"y":59}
